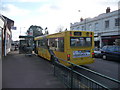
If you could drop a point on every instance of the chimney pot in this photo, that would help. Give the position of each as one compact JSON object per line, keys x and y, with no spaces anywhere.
{"x":108,"y":10}
{"x":81,"y":19}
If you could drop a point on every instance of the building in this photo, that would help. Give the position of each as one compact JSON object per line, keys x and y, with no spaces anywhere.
{"x":106,"y":27}
{"x":5,"y":40}
{"x":5,"y":35}
{"x":1,"y":34}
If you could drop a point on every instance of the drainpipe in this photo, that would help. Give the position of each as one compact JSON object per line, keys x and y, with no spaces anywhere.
{"x":100,"y":38}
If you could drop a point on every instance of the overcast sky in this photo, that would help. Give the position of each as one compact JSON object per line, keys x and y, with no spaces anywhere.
{"x":51,"y":13}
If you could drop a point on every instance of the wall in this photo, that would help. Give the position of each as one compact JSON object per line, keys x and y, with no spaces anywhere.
{"x":101,"y":31}
{"x":1,"y":28}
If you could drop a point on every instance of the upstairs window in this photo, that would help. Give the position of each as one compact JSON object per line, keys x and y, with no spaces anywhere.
{"x":117,"y":22}
{"x":83,"y":28}
{"x":107,"y":24}
{"x":90,"y":27}
{"x":78,"y":28}
{"x":96,"y":26}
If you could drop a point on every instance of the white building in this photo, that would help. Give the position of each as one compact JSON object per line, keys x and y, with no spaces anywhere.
{"x":5,"y":40}
{"x":106,"y":27}
{"x":1,"y":31}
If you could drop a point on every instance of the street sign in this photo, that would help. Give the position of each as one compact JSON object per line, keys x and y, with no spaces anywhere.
{"x":14,"y":28}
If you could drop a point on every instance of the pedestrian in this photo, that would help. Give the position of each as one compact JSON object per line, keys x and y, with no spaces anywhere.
{"x":15,"y":47}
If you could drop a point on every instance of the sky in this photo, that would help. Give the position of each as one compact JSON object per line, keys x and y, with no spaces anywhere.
{"x":51,"y":13}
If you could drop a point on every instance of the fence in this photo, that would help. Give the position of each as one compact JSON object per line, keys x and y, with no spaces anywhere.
{"x":73,"y":78}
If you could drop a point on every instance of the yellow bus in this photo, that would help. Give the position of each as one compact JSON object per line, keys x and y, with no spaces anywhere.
{"x":74,"y":46}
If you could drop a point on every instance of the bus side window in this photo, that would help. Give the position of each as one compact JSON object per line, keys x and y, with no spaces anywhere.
{"x":38,"y":43}
{"x":41,"y":43}
{"x":61,"y":44}
{"x":52,"y":44}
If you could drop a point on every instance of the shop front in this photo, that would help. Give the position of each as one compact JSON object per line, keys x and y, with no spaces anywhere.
{"x":0,"y":43}
{"x":106,"y":40}
{"x":1,"y":31}
{"x":1,"y":34}
{"x":109,"y":40}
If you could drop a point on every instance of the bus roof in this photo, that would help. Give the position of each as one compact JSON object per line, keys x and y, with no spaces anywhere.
{"x":59,"y":34}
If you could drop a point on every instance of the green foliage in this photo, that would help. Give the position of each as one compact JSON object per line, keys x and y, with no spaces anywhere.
{"x":35,"y":30}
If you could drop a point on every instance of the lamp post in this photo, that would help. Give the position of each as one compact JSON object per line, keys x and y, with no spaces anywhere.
{"x":99,"y":36}
{"x":85,"y":24}
{"x":84,"y":21}
{"x":21,"y":29}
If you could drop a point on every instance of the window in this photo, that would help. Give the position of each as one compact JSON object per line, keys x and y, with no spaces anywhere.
{"x":82,"y":27}
{"x":78,"y":28}
{"x":60,"y":44}
{"x":110,"y":48}
{"x":73,"y":28}
{"x":107,"y":24}
{"x":53,"y":42}
{"x":104,"y":48}
{"x":117,"y":22}
{"x":56,"y":44}
{"x":116,"y":48}
{"x":36,"y":43}
{"x":80,"y":41}
{"x":77,"y":33}
{"x":90,"y":27}
{"x":96,"y":26}
{"x":41,"y":43}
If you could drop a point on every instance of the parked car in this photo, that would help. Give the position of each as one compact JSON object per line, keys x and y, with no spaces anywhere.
{"x":12,"y":47}
{"x":111,"y":52}
{"x":97,"y":53}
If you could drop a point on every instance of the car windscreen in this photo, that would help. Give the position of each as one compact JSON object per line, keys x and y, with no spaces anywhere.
{"x":111,"y":48}
{"x":117,"y":49}
{"x":80,"y":41}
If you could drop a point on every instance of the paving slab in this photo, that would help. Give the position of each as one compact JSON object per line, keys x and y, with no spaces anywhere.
{"x":20,"y":71}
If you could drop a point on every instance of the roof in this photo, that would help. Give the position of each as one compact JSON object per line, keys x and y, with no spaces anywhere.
{"x":26,"y":36}
{"x":9,"y":23}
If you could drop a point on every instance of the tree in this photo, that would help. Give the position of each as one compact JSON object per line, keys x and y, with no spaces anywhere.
{"x":35,"y":31}
{"x":66,"y":29}
{"x":46,"y":31}
{"x":59,"y":29}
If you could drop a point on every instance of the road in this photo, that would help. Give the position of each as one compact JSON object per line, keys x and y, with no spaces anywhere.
{"x":108,"y":68}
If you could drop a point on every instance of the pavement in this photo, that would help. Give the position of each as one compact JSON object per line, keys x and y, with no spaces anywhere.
{"x":20,"y":71}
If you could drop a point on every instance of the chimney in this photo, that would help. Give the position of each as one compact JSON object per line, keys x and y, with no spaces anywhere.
{"x":81,"y":19}
{"x":108,"y":10}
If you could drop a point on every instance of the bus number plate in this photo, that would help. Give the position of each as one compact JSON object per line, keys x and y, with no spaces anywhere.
{"x":82,"y":53}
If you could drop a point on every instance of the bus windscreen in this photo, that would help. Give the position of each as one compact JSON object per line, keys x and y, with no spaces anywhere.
{"x":80,"y":41}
